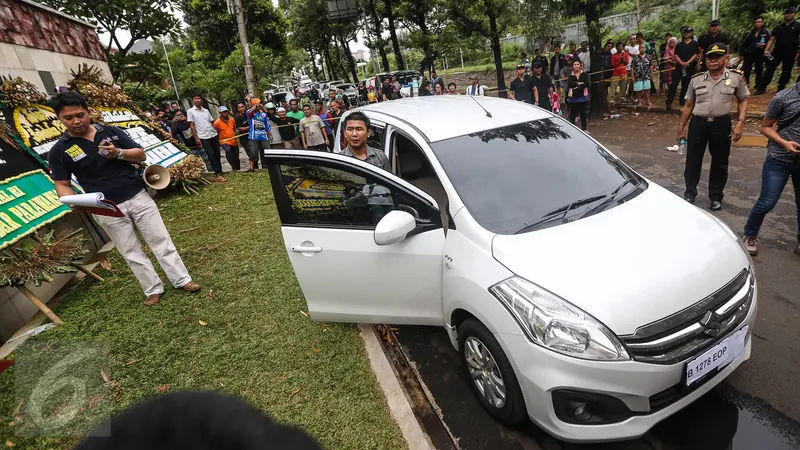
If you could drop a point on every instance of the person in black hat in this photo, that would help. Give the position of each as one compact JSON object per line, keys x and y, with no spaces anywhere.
{"x":713,"y":36}
{"x":686,"y":55}
{"x":708,"y":103}
{"x":521,"y":88}
{"x":785,"y":40}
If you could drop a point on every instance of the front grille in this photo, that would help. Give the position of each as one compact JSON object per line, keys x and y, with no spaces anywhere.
{"x":689,"y":332}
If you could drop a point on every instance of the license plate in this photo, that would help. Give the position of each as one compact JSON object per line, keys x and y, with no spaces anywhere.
{"x":719,"y":355}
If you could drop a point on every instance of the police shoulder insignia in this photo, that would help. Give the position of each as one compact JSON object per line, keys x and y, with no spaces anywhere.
{"x":698,"y":74}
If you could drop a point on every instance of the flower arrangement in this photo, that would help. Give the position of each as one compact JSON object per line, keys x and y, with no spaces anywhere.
{"x":37,"y":260}
{"x":90,"y":82}
{"x":21,"y":93}
{"x":188,"y":174}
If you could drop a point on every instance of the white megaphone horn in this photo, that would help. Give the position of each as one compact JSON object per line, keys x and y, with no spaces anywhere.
{"x":156,"y":177}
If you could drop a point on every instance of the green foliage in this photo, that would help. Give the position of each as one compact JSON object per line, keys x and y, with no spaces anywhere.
{"x":144,"y":67}
{"x":214,"y":33}
{"x":143,"y":19}
{"x":145,"y":94}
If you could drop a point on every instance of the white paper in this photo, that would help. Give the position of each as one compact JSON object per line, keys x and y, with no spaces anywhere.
{"x":91,"y":200}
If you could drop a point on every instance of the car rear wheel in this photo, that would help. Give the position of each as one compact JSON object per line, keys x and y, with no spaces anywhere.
{"x":489,"y":373}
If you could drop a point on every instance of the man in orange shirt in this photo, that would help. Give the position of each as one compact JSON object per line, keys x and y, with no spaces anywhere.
{"x":226,"y":128}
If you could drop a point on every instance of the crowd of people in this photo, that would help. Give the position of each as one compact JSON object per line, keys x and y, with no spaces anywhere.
{"x":254,"y":126}
{"x":641,"y":68}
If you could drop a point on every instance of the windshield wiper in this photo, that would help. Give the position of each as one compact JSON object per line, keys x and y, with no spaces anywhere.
{"x":560,"y":213}
{"x":611,"y":197}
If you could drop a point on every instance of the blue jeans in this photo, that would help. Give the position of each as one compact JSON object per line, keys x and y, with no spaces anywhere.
{"x":774,"y":176}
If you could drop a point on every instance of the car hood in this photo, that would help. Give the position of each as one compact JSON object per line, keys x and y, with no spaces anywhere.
{"x":632,"y":264}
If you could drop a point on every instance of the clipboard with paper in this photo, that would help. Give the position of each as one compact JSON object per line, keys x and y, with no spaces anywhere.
{"x":95,"y":202}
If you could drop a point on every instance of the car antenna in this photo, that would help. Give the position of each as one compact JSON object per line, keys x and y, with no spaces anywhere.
{"x":488,"y":114}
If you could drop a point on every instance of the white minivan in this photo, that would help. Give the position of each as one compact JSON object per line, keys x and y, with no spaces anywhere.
{"x":578,"y":293}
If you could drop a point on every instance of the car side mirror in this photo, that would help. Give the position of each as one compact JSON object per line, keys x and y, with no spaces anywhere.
{"x":394,"y":227}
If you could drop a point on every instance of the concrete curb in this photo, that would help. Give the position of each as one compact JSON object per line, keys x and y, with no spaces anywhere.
{"x":399,"y":406}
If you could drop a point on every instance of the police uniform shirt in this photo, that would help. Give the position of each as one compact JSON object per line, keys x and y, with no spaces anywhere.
{"x":117,"y":179}
{"x":713,"y":99}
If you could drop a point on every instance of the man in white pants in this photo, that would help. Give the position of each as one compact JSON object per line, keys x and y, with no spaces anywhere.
{"x":100,"y":157}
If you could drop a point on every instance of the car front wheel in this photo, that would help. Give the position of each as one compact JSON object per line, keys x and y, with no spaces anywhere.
{"x":490,"y":373}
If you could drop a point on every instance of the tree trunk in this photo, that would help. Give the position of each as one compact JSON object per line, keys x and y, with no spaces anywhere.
{"x":494,"y":43}
{"x":313,"y":63}
{"x":326,"y":54}
{"x":398,"y":55}
{"x":598,"y":93}
{"x":338,"y":56}
{"x":378,"y":32}
{"x":350,"y":60}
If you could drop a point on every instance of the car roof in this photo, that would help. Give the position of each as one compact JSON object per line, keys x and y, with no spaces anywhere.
{"x":447,"y":116}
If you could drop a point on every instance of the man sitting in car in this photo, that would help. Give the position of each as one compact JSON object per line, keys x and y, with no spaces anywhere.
{"x":356,"y":132}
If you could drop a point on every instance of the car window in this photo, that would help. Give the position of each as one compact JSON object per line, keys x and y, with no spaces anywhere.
{"x":376,"y":136}
{"x":320,"y":194}
{"x":534,"y":175}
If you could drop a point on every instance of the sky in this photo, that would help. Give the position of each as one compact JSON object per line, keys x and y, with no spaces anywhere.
{"x":124,"y":36}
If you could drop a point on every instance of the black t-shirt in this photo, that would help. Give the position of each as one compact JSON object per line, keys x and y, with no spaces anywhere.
{"x":287,"y":133}
{"x":522,"y":89}
{"x":786,"y":37}
{"x":388,"y":91}
{"x":242,"y":121}
{"x":707,"y":40}
{"x":686,"y":51}
{"x":542,"y":85}
{"x":118,"y":180}
{"x":755,"y":37}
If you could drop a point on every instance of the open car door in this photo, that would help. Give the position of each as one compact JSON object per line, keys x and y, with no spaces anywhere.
{"x":365,"y":245}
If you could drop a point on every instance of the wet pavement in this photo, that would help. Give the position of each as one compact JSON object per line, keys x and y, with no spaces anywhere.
{"x":757,"y":407}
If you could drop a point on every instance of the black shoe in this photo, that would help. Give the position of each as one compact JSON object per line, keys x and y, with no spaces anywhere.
{"x":689,"y":199}
{"x":716,"y":205}
{"x":758,"y":92}
{"x":668,"y":108}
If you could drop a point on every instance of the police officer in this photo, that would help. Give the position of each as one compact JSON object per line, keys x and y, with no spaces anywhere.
{"x":708,"y":102}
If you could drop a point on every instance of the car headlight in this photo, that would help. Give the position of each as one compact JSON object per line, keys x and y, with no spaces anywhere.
{"x":557,"y":325}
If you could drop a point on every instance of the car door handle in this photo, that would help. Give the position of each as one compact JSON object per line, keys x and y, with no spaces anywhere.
{"x":302,"y":249}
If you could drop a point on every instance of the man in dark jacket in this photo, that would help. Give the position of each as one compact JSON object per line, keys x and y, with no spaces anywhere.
{"x":753,"y":50}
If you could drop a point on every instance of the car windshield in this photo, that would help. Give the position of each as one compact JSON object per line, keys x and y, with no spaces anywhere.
{"x":346,"y":86}
{"x":533,"y":175}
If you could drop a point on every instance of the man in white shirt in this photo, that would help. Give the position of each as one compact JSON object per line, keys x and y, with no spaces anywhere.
{"x":583,"y":55}
{"x":204,"y":133}
{"x":633,"y":49}
{"x":474,"y":88}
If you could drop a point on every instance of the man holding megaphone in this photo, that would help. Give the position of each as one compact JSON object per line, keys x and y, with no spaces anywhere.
{"x":101,"y":157}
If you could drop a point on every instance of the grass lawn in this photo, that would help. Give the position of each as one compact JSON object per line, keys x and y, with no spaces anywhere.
{"x":256,"y":344}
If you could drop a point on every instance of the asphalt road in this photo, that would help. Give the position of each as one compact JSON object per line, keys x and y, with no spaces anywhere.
{"x":757,"y":407}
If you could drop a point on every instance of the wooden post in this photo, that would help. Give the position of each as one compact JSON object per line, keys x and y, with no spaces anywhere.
{"x":39,"y":304}
{"x":88,"y":272}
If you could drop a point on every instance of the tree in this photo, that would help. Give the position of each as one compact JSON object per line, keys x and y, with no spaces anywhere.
{"x":375,"y":36}
{"x":485,"y":18}
{"x":143,"y":19}
{"x":390,"y":18}
{"x":137,"y":68}
{"x":593,"y":10}
{"x":429,"y":28}
{"x":539,"y":20}
{"x":214,"y":33}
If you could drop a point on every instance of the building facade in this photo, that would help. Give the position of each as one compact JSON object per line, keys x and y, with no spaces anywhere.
{"x":42,"y":45}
